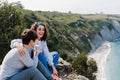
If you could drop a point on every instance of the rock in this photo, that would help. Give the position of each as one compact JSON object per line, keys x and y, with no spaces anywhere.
{"x":64,"y":67}
{"x":66,"y":72}
{"x":73,"y":76}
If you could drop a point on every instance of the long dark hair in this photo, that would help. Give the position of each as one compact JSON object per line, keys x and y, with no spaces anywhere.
{"x":36,"y":25}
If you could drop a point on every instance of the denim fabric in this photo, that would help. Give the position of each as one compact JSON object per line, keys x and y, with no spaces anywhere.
{"x":29,"y":74}
{"x":39,"y":73}
{"x":43,"y":59}
{"x":44,"y":71}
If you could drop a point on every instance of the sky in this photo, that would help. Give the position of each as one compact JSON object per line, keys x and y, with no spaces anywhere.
{"x":75,"y":6}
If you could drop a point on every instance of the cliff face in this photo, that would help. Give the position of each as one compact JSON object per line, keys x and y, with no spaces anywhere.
{"x":106,"y":34}
{"x":90,"y":34}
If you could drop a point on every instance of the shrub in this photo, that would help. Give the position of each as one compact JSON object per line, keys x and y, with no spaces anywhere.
{"x":85,"y":67}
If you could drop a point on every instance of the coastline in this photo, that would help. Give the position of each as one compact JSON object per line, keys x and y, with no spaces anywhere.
{"x":100,"y":56}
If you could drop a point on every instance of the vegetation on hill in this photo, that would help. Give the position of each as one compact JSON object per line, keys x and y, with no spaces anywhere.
{"x":11,"y":25}
{"x":85,"y":67}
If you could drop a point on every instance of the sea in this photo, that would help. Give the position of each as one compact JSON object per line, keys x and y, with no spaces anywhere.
{"x":112,"y":66}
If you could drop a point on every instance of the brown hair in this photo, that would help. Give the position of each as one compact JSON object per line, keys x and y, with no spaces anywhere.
{"x":28,"y":35}
{"x":35,"y":25}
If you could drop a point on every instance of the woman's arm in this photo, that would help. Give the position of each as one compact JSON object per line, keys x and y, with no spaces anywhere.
{"x":49,"y":57}
{"x":17,"y":43}
{"x":28,"y":61}
{"x":54,"y":70}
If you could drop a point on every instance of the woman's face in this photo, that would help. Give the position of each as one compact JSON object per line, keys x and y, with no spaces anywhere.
{"x":40,"y":31}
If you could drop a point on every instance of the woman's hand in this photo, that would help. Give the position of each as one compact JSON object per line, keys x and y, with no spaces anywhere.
{"x":54,"y":70}
{"x":36,"y":52}
{"x":20,"y":49}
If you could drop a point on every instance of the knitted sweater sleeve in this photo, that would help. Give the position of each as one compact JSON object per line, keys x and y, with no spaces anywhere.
{"x":48,"y":56}
{"x":14,"y":41}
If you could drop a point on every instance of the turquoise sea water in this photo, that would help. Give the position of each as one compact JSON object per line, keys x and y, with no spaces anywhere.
{"x":112,"y":67}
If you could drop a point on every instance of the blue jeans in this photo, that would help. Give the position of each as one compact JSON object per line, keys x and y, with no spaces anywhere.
{"x":43,"y":59}
{"x":32,"y":73}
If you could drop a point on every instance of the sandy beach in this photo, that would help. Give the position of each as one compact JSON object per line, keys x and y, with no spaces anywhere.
{"x":100,"y":55}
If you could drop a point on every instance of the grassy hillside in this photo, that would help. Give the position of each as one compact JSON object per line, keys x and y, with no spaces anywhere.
{"x":69,"y":32}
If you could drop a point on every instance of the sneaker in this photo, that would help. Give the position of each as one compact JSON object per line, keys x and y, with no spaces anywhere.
{"x":56,"y":77}
{"x":60,"y":78}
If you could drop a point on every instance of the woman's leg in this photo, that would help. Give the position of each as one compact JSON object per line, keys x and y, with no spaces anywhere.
{"x":44,"y":71}
{"x":29,"y":74}
{"x":55,"y":60}
{"x":43,"y":59}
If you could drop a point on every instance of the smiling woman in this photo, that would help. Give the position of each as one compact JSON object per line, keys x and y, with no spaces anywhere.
{"x":41,"y":30}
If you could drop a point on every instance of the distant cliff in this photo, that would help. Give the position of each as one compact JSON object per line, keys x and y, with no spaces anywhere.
{"x":95,"y":32}
{"x":106,"y":34}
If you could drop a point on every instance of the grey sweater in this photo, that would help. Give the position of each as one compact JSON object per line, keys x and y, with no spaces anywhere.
{"x":41,"y":45}
{"x":13,"y":62}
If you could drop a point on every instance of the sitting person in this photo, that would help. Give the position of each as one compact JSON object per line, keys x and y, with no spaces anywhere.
{"x":27,"y":67}
{"x":48,"y":59}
